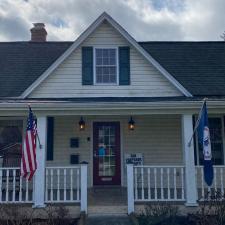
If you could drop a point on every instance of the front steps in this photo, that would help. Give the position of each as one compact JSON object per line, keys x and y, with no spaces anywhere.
{"x":107,"y":210}
{"x":107,"y":201}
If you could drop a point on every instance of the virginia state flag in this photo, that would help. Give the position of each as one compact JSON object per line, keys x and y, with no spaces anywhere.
{"x":204,"y":140}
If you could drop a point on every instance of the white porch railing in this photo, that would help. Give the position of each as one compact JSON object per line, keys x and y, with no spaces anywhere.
{"x":62,"y":184}
{"x":67,"y":184}
{"x":154,"y":183}
{"x":158,"y":183}
{"x":218,"y":181}
{"x":13,"y":188}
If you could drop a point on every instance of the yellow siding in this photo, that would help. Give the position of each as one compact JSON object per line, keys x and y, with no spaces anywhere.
{"x":65,"y":81}
{"x":157,"y":137}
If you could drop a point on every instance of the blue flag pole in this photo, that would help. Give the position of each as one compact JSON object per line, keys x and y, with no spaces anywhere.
{"x":204,"y":141}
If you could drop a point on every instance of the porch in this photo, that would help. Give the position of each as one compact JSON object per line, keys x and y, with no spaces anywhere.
{"x":145,"y":184}
{"x":168,"y":172}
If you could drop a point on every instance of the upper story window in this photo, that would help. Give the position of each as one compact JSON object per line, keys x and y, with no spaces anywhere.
{"x":106,"y":66}
{"x":216,"y":137}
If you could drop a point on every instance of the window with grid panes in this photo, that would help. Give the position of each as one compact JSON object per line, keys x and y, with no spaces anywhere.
{"x":105,"y":66}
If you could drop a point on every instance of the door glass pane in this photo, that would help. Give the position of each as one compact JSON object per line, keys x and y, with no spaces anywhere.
{"x":106,"y":151}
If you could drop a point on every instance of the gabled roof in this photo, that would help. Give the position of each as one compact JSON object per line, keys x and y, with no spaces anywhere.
{"x":105,"y":17}
{"x":198,"y":66}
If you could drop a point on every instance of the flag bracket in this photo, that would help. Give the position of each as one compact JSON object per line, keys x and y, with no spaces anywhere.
{"x":197,"y":123}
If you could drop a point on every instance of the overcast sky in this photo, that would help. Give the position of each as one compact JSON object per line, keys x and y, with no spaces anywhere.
{"x":145,"y":20}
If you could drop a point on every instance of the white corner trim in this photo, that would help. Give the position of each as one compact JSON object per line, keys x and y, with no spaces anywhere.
{"x":126,"y":35}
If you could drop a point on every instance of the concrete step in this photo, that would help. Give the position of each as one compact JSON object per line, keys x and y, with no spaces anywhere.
{"x":107,"y":210}
{"x":108,"y":220}
{"x":107,"y":196}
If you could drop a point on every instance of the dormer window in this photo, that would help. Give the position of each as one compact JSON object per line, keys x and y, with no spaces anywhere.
{"x":105,"y":66}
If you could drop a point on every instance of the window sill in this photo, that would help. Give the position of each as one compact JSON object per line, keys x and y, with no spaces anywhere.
{"x":106,"y":84}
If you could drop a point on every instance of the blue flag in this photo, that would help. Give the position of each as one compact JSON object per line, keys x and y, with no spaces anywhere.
{"x":204,"y":140}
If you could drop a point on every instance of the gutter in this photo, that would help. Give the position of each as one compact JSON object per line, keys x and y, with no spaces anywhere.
{"x":65,"y":105}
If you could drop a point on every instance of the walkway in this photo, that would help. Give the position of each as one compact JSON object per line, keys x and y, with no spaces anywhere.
{"x":108,"y":220}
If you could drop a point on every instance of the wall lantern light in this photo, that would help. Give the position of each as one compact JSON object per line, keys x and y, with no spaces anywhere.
{"x":82,"y":123}
{"x":131,"y":124}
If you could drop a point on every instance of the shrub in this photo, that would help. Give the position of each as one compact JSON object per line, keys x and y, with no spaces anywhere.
{"x":15,"y":215}
{"x":159,"y":214}
{"x":58,"y":215}
{"x":212,"y":210}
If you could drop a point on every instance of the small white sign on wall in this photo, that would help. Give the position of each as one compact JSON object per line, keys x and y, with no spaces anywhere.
{"x":135,"y":158}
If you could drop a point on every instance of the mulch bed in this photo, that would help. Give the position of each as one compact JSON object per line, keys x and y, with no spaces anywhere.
{"x":41,"y":222}
{"x":178,"y":220}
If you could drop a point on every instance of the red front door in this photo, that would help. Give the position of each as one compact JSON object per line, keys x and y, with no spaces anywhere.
{"x":106,"y":153}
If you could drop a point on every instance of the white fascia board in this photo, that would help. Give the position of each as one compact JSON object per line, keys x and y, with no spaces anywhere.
{"x":126,"y":35}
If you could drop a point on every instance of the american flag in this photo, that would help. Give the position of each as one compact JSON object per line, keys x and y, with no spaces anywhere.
{"x":28,"y":161}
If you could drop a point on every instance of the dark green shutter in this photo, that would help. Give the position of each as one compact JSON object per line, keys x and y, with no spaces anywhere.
{"x":124,"y":65}
{"x":87,"y":65}
{"x":50,"y":138}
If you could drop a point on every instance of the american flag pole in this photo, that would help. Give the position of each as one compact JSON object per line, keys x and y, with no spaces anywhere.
{"x":35,"y":128}
{"x":40,"y":145}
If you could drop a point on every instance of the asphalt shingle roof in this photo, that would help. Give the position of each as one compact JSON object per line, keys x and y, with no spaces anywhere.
{"x":198,"y":66}
{"x":21,"y":63}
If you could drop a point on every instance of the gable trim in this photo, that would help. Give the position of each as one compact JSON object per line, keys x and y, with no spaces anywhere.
{"x":126,"y":35}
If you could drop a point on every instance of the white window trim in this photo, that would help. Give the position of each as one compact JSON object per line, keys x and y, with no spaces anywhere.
{"x":117,"y":66}
{"x":223,"y":141}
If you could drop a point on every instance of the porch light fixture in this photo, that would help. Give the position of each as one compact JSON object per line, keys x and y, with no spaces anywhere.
{"x":82,"y":123}
{"x":131,"y":124}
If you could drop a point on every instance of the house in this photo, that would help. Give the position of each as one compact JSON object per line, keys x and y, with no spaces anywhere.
{"x":114,"y":118}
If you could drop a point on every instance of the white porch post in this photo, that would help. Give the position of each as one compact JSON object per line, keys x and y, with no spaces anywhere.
{"x":39,"y":178}
{"x":189,"y":162}
{"x":83,"y":179}
{"x":130,"y":188}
